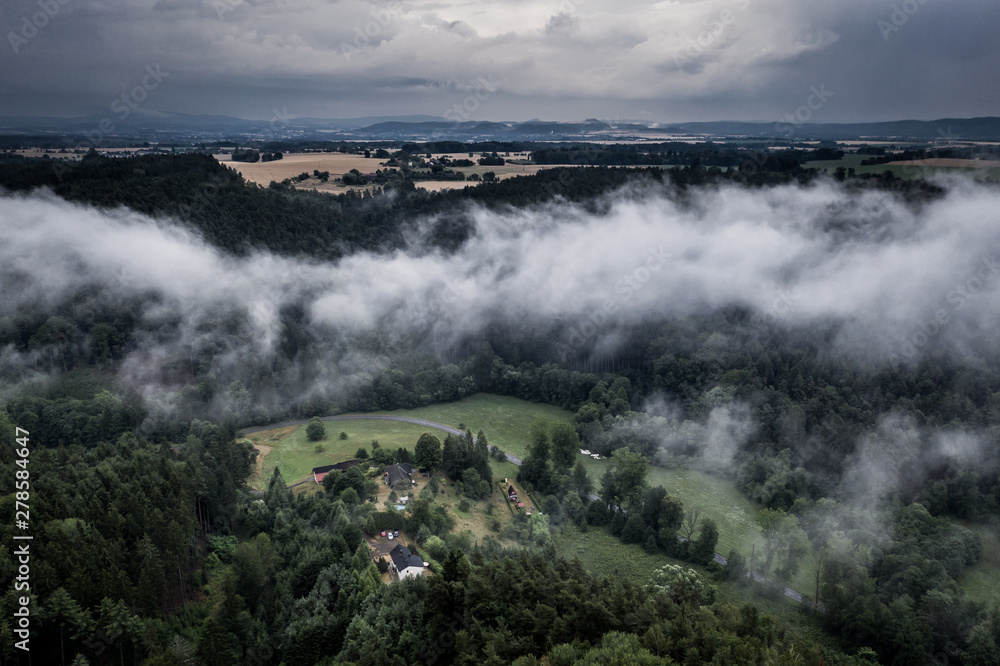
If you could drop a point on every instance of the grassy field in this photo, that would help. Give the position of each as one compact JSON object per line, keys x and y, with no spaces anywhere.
{"x":982,"y":582}
{"x":478,"y":518}
{"x":295,"y":455}
{"x":718,"y":499}
{"x":901,"y":170}
{"x":505,"y":420}
{"x":602,"y":554}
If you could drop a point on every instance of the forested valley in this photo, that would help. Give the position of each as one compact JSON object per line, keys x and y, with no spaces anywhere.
{"x":873,"y":468}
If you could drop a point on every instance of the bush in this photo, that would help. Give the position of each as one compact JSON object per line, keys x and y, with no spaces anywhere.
{"x":491,"y":160}
{"x":703,"y":548}
{"x":634,"y":529}
{"x":222,"y":547}
{"x":388,"y":520}
{"x":361,"y":454}
{"x":464,"y":505}
{"x":474,"y":486}
{"x":553,"y":509}
{"x":436,"y":547}
{"x":737,"y":568}
{"x":382,"y":457}
{"x":597,"y":514}
{"x":246,"y":155}
{"x":343,"y":435}
{"x":617,"y":523}
{"x":315,"y":431}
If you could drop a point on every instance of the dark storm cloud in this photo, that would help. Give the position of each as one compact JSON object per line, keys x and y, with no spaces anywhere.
{"x":753,"y":59}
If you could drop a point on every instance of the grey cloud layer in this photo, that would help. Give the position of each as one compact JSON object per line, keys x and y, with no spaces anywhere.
{"x":753,"y":59}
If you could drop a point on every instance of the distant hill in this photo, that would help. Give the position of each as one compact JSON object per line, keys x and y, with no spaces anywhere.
{"x":969,"y":129}
{"x":173,"y":126}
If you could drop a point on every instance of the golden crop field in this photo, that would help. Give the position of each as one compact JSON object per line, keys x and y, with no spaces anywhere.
{"x":262,"y":173}
{"x":293,"y":164}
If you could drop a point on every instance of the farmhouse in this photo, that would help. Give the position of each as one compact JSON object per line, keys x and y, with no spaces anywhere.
{"x":404,"y":563}
{"x":319,"y":472}
{"x":398,"y":472}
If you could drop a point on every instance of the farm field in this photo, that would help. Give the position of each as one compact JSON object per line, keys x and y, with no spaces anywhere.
{"x":978,"y":169}
{"x":262,"y":173}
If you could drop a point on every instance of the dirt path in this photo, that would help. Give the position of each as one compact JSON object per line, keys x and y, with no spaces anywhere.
{"x":264,"y":450}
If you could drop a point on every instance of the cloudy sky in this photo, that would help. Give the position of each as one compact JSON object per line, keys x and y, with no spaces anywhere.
{"x":668,"y":61}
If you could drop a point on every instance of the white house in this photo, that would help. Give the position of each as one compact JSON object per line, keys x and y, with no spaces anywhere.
{"x":405,"y":563}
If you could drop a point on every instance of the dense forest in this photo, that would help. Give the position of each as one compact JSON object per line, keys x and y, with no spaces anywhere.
{"x":156,"y":552}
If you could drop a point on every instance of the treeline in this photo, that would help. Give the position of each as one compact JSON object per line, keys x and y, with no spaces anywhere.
{"x":706,"y":154}
{"x":231,"y":214}
{"x":239,"y":217}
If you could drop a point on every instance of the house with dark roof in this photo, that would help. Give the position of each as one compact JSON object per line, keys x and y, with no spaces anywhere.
{"x":398,"y":472}
{"x":404,"y":563}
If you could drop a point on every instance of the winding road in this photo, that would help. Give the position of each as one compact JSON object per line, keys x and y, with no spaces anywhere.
{"x":719,"y":558}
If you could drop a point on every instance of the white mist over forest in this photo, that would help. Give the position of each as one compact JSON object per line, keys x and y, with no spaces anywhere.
{"x":896,"y":280}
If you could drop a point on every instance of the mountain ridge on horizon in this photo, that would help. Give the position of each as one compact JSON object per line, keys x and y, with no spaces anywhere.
{"x":417,"y":127}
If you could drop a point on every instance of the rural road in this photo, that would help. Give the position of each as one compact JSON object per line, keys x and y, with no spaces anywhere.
{"x":721,"y":559}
